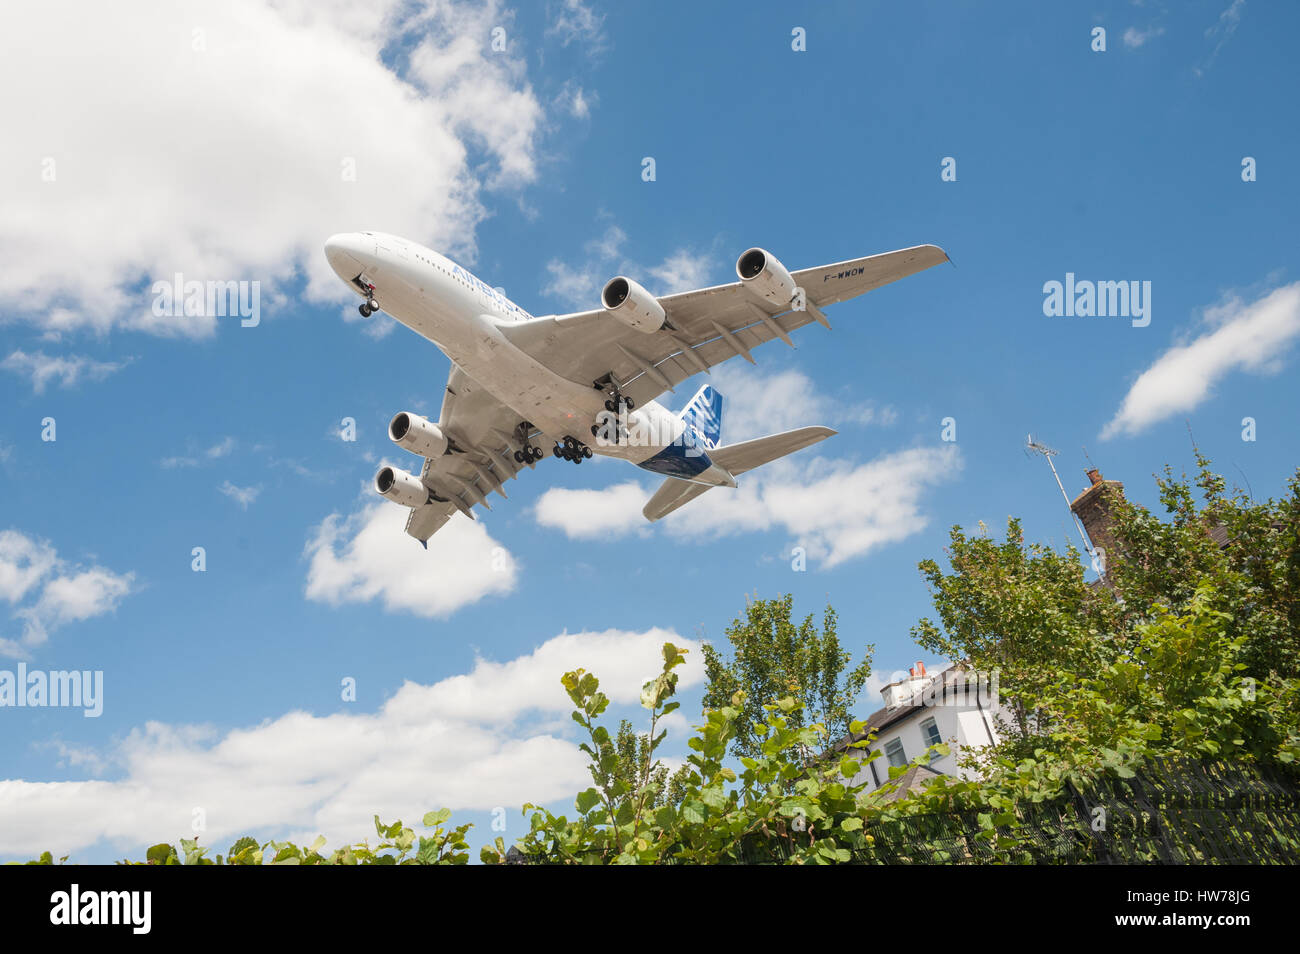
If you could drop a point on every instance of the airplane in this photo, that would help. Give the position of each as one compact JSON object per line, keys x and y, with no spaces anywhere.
{"x":586,"y":382}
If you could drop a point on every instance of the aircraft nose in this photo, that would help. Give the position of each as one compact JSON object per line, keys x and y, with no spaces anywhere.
{"x":347,"y":253}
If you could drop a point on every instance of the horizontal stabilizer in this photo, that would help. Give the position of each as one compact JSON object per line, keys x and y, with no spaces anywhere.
{"x":735,"y":459}
{"x":738,"y":458}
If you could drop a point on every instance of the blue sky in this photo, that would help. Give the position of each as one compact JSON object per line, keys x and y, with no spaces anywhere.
{"x":221,"y":152}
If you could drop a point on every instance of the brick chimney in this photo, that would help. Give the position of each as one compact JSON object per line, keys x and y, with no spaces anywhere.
{"x":1094,"y":509}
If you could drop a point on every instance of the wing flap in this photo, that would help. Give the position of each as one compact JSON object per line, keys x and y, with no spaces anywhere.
{"x":425,"y":521}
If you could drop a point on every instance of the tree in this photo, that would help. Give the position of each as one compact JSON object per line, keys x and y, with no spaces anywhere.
{"x":636,"y":762}
{"x":1249,"y":550}
{"x":1181,"y":692}
{"x":774,"y":659}
{"x":1027,"y":612}
{"x":1023,"y":611}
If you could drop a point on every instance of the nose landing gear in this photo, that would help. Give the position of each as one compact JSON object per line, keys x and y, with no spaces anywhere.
{"x":369,"y":307}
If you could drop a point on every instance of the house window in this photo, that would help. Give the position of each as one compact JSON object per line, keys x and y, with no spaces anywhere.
{"x":930,"y":736}
{"x":894,"y":752}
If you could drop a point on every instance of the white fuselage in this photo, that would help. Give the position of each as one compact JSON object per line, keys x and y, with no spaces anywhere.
{"x":462,"y":315}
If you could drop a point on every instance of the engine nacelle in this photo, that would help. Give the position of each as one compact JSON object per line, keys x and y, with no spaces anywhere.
{"x":400,"y":487}
{"x":766,"y":277}
{"x":633,"y":305}
{"x":417,"y":434}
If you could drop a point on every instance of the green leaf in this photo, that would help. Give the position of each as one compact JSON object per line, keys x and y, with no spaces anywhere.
{"x":692,"y":812}
{"x":158,"y":854}
{"x":435,"y":818}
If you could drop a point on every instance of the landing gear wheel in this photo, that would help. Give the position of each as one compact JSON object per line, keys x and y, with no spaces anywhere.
{"x":595,"y":431}
{"x":586,"y":453}
{"x":556,"y":451}
{"x":519,"y":457}
{"x":537,"y":453}
{"x":365,"y":311}
{"x":616,"y":402}
{"x":373,"y":305}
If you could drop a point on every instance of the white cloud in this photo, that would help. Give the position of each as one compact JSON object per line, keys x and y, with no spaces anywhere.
{"x":235,"y":142}
{"x":1248,"y":337}
{"x":469,"y":742}
{"x":758,"y":404}
{"x":579,"y":285}
{"x":1221,"y":32}
{"x":23,"y":563}
{"x":835,"y":510}
{"x":575,"y":100}
{"x":368,"y":556}
{"x":680,"y":271}
{"x":218,"y":450}
{"x":1134,"y":37}
{"x":67,"y":369}
{"x":72,"y":599}
{"x":240,"y":495}
{"x":69,"y":593}
{"x":593,"y":514}
{"x":573,"y":21}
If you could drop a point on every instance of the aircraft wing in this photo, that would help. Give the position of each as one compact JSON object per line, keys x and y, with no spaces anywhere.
{"x":710,"y":325}
{"x":483,"y":437}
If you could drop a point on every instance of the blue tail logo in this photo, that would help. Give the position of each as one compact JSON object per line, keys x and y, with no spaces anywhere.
{"x":704,"y":414}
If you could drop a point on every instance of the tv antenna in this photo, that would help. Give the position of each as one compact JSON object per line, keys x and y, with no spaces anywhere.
{"x":1038,"y":447}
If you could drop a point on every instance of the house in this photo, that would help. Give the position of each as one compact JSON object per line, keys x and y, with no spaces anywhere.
{"x":956,"y":706}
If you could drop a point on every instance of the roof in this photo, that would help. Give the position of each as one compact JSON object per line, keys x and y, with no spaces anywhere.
{"x":885,"y":717}
{"x":913,"y":780}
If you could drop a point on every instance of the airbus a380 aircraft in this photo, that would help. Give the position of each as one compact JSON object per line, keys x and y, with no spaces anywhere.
{"x":585,"y":383}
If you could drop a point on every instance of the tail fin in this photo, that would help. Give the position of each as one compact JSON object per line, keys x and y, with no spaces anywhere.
{"x":736,"y":459}
{"x":704,"y":413}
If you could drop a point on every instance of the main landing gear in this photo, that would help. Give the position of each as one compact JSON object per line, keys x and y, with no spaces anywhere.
{"x":571,"y":449}
{"x":615,"y":403}
{"x":616,"y":398}
{"x":529,"y":452}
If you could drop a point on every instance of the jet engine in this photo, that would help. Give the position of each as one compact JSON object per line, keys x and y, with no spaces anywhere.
{"x":400,"y":487}
{"x":766,"y":277}
{"x":417,"y":434}
{"x":633,"y":305}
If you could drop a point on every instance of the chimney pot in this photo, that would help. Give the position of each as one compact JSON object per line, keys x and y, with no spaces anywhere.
{"x":1094,"y":476}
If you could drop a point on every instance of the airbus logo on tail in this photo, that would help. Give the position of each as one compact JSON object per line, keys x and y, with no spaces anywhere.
{"x":704,"y":415}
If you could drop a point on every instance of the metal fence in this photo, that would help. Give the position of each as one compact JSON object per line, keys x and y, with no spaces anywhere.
{"x":1169,"y":812}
